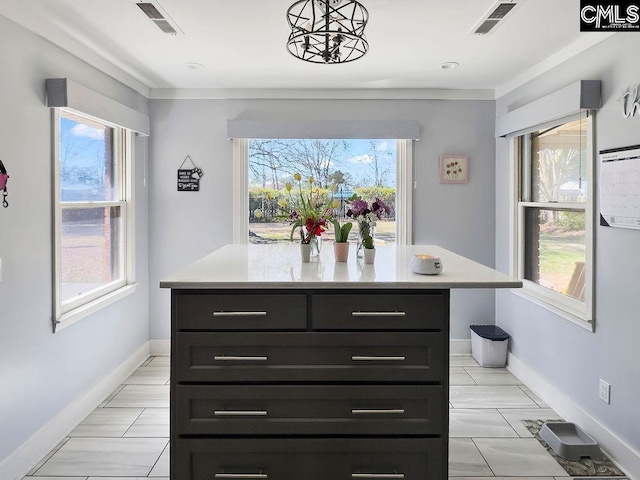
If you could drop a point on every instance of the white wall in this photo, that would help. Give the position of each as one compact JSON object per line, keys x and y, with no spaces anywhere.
{"x":570,"y":358}
{"x":186,"y":226}
{"x":42,"y":372}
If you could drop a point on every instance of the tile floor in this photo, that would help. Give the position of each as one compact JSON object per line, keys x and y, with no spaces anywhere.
{"x":127,"y":436}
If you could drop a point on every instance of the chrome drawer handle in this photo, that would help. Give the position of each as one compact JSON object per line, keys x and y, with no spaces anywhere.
{"x":377,"y":475}
{"x":233,"y":358}
{"x":378,"y":314}
{"x":378,"y":358}
{"x":240,"y":413}
{"x":240,"y":475}
{"x":239,"y":314}
{"x":373,"y":411}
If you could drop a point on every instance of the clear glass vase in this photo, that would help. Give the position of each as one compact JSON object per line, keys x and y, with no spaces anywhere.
{"x":365,"y":229}
{"x":316,"y":245}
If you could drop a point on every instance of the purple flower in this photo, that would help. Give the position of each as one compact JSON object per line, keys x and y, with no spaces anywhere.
{"x":379,"y":207}
{"x":293,"y":215}
{"x":358,"y":207}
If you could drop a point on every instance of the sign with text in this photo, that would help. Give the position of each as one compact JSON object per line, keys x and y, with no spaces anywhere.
{"x":603,"y":16}
{"x":189,"y":178}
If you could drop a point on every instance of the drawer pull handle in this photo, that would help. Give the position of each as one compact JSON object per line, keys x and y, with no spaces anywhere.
{"x":240,"y":475}
{"x":240,"y":413}
{"x":378,"y":314}
{"x":239,"y":314}
{"x":377,"y":358}
{"x":377,"y":475}
{"x":373,"y":411}
{"x":233,"y":358}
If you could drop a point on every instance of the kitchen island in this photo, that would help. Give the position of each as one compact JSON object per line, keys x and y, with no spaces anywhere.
{"x":324,"y":371}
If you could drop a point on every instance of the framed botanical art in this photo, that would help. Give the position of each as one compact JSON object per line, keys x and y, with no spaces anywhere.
{"x":454,"y":168}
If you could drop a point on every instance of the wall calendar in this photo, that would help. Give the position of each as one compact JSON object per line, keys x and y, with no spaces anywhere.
{"x":620,"y":187}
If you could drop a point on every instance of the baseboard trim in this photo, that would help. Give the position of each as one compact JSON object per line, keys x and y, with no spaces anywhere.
{"x":460,"y":347}
{"x":25,"y":457}
{"x":617,"y":449}
{"x":160,"y":347}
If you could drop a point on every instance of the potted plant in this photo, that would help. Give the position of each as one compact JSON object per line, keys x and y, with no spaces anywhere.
{"x":369,"y":249}
{"x":366,"y":217}
{"x":341,"y":246}
{"x":309,"y":211}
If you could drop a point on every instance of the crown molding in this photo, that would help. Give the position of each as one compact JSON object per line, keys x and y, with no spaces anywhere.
{"x":318,"y":94}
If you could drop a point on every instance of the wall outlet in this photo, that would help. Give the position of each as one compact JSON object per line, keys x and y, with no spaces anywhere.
{"x":604,"y":391}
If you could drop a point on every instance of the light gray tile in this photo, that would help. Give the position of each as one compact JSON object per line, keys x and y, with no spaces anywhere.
{"x":148,"y":376}
{"x":161,"y":468}
{"x":142,"y":396}
{"x":495,"y":379}
{"x":59,"y":478}
{"x":460,"y":379}
{"x":489,"y":397}
{"x":99,"y":431}
{"x":124,"y":478}
{"x":478,"y":423}
{"x":462,"y":361}
{"x":478,"y":370}
{"x":160,"y":361}
{"x":518,"y":457}
{"x":112,"y":416}
{"x":146,"y":362}
{"x":153,"y":416}
{"x":48,"y":456}
{"x":534,"y":397}
{"x":105,"y":457}
{"x":113,"y":394}
{"x":153,"y":422}
{"x":457,"y":370}
{"x":501,"y":478}
{"x":515,"y":417}
{"x":148,"y":431}
{"x":465,"y":459}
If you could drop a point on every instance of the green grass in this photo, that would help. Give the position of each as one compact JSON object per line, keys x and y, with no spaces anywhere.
{"x":559,"y":252}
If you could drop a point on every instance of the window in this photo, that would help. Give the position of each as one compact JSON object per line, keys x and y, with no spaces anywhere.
{"x":367,"y":167}
{"x":553,"y":221}
{"x":93,"y":231}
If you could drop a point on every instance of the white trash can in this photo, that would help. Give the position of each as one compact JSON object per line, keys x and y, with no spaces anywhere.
{"x":489,"y":345}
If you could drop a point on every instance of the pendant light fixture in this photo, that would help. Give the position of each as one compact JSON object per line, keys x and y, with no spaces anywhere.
{"x":327,"y":31}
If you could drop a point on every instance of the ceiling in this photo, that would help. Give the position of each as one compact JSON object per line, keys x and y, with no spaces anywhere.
{"x":241,"y":43}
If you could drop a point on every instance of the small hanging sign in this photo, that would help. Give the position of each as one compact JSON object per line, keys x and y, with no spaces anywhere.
{"x":189,"y":178}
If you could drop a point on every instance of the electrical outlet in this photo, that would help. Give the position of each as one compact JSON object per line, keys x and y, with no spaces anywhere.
{"x":604,"y":391}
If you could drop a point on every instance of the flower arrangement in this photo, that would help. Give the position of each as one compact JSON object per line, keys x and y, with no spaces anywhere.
{"x":366,"y":216}
{"x":307,"y":209}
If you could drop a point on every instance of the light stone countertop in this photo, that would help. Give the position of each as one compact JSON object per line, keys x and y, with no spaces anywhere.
{"x":280,"y":266}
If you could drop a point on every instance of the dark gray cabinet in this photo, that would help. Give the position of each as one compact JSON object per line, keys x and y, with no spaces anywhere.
{"x":321,"y":384}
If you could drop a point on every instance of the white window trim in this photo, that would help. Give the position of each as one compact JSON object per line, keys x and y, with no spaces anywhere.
{"x":565,"y":307}
{"x":404,"y":191}
{"x":71,"y":312}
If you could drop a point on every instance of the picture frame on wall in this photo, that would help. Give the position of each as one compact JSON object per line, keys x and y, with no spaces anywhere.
{"x":454,"y":168}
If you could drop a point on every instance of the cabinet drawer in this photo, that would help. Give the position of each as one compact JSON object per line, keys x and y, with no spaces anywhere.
{"x":379,"y":311}
{"x":308,"y":410}
{"x":308,"y":459}
{"x":240,"y":312}
{"x":309,"y":357}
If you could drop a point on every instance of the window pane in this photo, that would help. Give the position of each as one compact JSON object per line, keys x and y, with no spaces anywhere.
{"x":558,"y":162}
{"x":363,"y":167}
{"x":91,"y":249}
{"x":555,"y":250}
{"x":87,"y":167}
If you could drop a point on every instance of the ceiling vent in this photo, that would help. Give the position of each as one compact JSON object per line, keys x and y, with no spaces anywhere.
{"x":495,"y":17}
{"x":160,"y":18}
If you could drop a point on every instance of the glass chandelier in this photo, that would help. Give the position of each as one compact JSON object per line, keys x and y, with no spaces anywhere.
{"x":327,"y":31}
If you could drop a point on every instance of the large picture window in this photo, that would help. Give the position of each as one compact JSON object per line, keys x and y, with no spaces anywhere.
{"x":554,"y":215}
{"x":92,"y":206}
{"x":366,"y":168}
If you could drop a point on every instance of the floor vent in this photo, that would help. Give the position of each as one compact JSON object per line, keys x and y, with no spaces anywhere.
{"x":495,"y":16}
